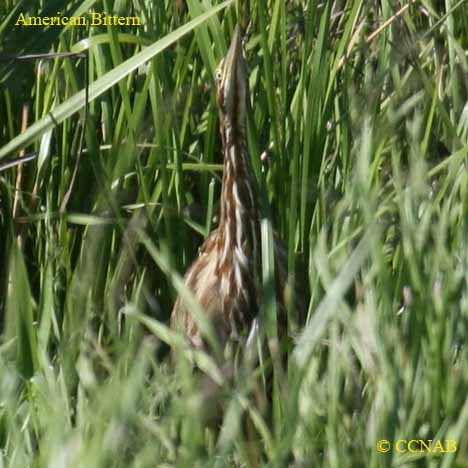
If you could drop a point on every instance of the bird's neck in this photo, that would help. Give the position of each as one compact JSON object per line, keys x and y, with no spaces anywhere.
{"x":239,"y":220}
{"x":238,"y":234}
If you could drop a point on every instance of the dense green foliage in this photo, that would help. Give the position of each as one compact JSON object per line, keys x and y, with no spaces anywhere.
{"x":361,"y":109}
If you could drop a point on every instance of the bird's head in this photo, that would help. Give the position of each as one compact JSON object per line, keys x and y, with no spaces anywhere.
{"x":231,"y":82}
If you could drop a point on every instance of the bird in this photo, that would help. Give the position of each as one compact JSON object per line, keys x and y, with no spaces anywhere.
{"x":225,"y":278}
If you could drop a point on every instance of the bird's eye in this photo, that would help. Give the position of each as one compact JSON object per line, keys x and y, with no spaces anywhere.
{"x":218,"y":75}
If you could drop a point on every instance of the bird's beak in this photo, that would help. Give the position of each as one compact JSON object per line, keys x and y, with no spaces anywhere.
{"x":234,"y":67}
{"x":234,"y":54}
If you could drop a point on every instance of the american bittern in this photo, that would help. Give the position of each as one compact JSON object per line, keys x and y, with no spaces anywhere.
{"x":225,"y":278}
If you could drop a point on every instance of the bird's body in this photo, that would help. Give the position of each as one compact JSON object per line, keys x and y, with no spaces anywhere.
{"x":225,"y":278}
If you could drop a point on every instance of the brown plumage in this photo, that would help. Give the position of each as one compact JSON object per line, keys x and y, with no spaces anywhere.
{"x":226,"y":276}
